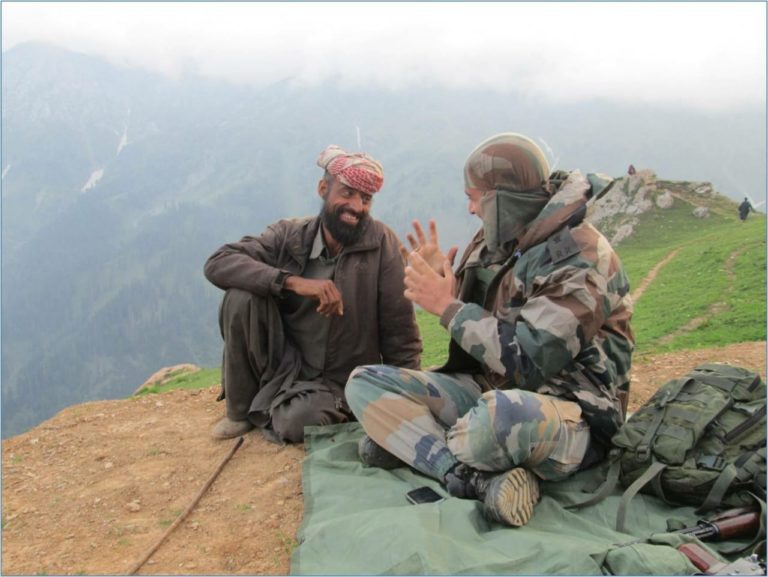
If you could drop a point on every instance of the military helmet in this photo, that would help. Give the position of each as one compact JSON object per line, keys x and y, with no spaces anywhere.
{"x":507,"y":161}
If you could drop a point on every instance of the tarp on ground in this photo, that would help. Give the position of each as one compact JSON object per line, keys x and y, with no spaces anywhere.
{"x":357,"y":521}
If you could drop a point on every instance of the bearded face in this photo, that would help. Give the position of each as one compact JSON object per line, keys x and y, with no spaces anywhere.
{"x":344,"y":223}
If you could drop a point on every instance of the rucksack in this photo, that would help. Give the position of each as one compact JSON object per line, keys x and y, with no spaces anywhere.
{"x":699,"y":440}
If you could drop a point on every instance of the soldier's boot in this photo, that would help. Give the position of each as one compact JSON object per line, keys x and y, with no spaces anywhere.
{"x":507,"y":497}
{"x":374,"y":455}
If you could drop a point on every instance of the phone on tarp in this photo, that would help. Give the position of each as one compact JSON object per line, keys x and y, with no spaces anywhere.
{"x":424,"y":495}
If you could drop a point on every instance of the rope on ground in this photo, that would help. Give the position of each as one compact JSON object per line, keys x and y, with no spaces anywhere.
{"x":189,"y":508}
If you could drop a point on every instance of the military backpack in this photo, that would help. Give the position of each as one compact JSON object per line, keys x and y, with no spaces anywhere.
{"x":699,"y":440}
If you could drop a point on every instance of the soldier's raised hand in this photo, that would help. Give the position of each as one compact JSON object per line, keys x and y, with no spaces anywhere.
{"x":431,"y":291}
{"x":429,"y":249}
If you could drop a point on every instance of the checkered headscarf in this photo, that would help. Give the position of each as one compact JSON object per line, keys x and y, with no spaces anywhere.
{"x":358,"y":171}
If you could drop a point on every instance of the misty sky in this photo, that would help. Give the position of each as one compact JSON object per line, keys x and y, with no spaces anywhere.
{"x":699,"y":54}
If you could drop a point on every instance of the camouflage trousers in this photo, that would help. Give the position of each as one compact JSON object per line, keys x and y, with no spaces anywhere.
{"x":432,"y":421}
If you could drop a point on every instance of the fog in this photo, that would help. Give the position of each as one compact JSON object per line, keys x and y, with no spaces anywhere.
{"x":699,"y":54}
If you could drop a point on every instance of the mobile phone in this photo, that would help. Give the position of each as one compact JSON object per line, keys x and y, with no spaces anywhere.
{"x":424,"y":495}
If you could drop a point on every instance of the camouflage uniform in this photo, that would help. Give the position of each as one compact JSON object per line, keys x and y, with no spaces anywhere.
{"x":534,"y":374}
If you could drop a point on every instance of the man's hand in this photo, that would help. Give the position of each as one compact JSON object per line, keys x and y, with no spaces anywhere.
{"x":431,"y":291}
{"x":323,"y":291}
{"x":429,"y":250}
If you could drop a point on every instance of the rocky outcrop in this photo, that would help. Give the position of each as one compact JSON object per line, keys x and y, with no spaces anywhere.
{"x":665,"y":200}
{"x":164,"y":375}
{"x":617,"y":213}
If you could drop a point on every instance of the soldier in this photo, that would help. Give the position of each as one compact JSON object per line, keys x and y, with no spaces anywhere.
{"x":539,"y":358}
{"x":306,"y":302}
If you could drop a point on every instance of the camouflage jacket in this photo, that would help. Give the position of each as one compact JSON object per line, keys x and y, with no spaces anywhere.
{"x":556,"y":318}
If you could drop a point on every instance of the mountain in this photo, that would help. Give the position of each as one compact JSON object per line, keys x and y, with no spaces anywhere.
{"x":117,"y":184}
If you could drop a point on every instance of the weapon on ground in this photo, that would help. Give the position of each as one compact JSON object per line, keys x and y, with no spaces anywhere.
{"x":708,"y":564}
{"x":731,"y":524}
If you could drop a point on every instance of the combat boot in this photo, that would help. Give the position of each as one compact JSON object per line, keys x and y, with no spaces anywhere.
{"x":507,"y":497}
{"x":374,"y":455}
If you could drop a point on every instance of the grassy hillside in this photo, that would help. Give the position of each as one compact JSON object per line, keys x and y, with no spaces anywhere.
{"x":712,"y":292}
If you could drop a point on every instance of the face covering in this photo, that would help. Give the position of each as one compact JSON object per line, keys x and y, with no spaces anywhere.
{"x":506,"y":213}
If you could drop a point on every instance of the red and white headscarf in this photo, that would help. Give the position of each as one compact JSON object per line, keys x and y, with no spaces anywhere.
{"x":358,"y":171}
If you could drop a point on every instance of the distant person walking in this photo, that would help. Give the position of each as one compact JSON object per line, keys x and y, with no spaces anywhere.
{"x":744,"y":209}
{"x":307,"y":301}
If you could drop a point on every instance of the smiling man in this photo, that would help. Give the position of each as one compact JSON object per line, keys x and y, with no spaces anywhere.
{"x":306,"y":302}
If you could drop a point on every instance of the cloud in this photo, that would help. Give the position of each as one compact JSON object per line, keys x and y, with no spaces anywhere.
{"x":702,"y":54}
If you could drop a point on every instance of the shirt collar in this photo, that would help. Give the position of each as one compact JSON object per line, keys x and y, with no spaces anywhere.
{"x":318,"y":246}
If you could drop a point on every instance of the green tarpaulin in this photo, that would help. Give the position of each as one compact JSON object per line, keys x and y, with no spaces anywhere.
{"x":357,"y":521}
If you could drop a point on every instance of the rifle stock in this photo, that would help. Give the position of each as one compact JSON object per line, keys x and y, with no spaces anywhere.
{"x":731,"y":524}
{"x":708,"y":564}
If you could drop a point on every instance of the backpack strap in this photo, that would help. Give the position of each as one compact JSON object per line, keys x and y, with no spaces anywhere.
{"x":717,"y":492}
{"x":744,"y":468}
{"x":650,"y":473}
{"x":645,"y":446}
{"x":607,"y":486}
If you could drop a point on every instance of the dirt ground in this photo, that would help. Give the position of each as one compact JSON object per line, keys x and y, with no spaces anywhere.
{"x":93,"y":489}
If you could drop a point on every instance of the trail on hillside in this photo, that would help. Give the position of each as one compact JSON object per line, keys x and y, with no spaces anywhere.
{"x":651,"y":276}
{"x":92,"y":489}
{"x":713,"y":309}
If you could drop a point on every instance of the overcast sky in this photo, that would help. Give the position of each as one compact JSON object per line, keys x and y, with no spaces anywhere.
{"x":701,"y":54}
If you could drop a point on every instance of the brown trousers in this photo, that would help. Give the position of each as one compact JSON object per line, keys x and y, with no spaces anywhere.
{"x":259,"y":370}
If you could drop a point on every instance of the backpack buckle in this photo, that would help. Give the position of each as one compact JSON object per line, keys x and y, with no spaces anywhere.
{"x":711,"y":462}
{"x":643,"y":451}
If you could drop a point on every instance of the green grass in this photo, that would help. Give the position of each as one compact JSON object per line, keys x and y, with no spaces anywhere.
{"x":434,"y":338}
{"x":289,"y":543}
{"x":697,"y":278}
{"x":201,"y":379}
